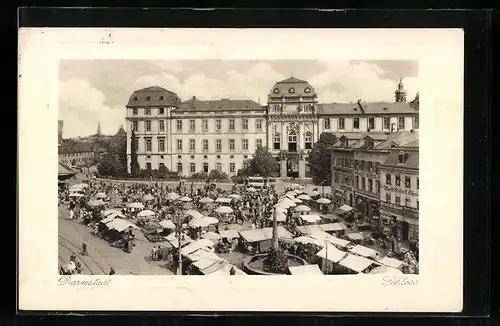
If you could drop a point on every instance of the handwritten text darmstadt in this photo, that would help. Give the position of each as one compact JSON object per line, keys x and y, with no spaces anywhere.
{"x":67,"y":280}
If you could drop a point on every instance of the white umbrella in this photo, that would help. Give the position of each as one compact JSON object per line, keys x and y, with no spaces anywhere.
{"x":100,"y":195}
{"x":211,"y":236}
{"x":288,"y":201}
{"x":198,"y":222}
{"x":283,"y":205}
{"x":311,"y":218}
{"x":110,"y":211}
{"x":146,"y":213}
{"x":304,"y":197}
{"x":323,"y":201}
{"x":224,"y":210}
{"x":206,"y":200}
{"x":290,"y":194}
{"x":95,"y":203}
{"x":234,"y":196}
{"x":136,"y":205}
{"x":147,"y":197}
{"x":315,"y":193}
{"x":76,"y":195}
{"x":223,"y":200}
{"x":211,"y":220}
{"x":302,"y":208}
{"x":297,"y":201}
{"x":298,"y":191}
{"x":280,"y":217}
{"x":185,"y":199}
{"x":172,"y":196}
{"x":194,"y":213}
{"x":251,"y":189}
{"x":280,"y":209}
{"x":82,"y":185}
{"x":167,"y":224}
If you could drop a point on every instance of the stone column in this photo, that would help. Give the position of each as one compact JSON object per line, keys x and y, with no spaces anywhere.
{"x":302,"y":169}
{"x":300,"y":137}
{"x":283,"y":137}
{"x":270,"y":135}
{"x":283,"y":168}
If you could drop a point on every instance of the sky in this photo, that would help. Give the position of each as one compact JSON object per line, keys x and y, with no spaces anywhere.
{"x":96,"y":91}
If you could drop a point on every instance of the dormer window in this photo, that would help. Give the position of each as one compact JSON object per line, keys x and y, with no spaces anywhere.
{"x":402,"y":157}
{"x":291,"y":90}
{"x":385,"y":109}
{"x":276,"y":91}
{"x":135,"y":98}
{"x":148,"y":98}
{"x":307,"y":90}
{"x":161,"y":98}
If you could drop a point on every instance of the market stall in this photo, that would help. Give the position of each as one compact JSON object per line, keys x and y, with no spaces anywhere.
{"x":259,"y":240}
{"x":355,"y":264}
{"x":305,"y":270}
{"x":330,"y":256}
{"x":364,"y":251}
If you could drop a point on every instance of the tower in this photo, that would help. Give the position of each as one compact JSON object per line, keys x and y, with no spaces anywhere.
{"x":60,"y":124}
{"x":400,"y":92}
{"x":98,"y":129}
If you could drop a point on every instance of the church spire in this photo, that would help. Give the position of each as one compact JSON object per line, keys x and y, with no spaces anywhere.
{"x":98,"y":129}
{"x":400,"y":92}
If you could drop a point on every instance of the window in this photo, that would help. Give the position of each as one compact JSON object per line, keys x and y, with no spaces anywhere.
{"x":356,"y":182}
{"x":179,"y":157}
{"x":205,"y":167}
{"x":363,"y":183}
{"x":161,"y":98}
{"x":276,"y":141}
{"x":161,"y":144}
{"x":408,"y":182}
{"x":327,"y":123}
{"x":232,"y":167}
{"x":179,"y":125}
{"x":218,"y":166}
{"x":388,"y":179}
{"x":258,"y":143}
{"x":371,"y":123}
{"x":370,"y":185}
{"x":245,"y":157}
{"x":398,"y":200}
{"x":147,"y":111}
{"x":161,"y":164}
{"x":135,"y":126}
{"x":245,"y":144}
{"x":388,"y":198}
{"x":161,"y":111}
{"x":308,"y":141}
{"x":401,"y":123}
{"x":148,"y":144}
{"x":218,"y":124}
{"x":192,"y":125}
{"x":418,"y":183}
{"x":192,"y":167}
{"x":205,"y":145}
{"x":351,"y":163}
{"x":231,"y":144}
{"x":148,"y":125}
{"x":179,"y":167}
{"x":416,"y":122}
{"x":398,"y":180}
{"x":205,"y":157}
{"x":231,"y":156}
{"x":161,"y":125}
{"x":179,"y":145}
{"x":148,"y":166}
{"x":231,"y":124}
{"x":218,"y":145}
{"x":134,"y":111}
{"x":192,"y":157}
{"x":192,"y":145}
{"x":204,"y":125}
{"x":341,"y":125}
{"x":258,"y":124}
{"x":336,"y":178}
{"x":407,"y":202}
{"x":387,"y":123}
{"x":244,"y":124}
{"x":377,"y":184}
{"x":355,"y":123}
{"x":292,"y":142}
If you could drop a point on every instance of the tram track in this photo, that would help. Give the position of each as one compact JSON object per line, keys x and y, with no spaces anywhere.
{"x":73,"y":248}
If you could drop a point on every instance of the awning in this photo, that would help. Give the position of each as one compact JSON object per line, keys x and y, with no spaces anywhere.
{"x":229,"y":234}
{"x":356,"y":263}
{"x":331,"y":253}
{"x":346,"y":208}
{"x":120,"y":225}
{"x":195,"y":245}
{"x":391,"y":262}
{"x":264,"y":234}
{"x":333,"y":227}
{"x":305,"y":270}
{"x":355,"y":236}
{"x":364,"y":251}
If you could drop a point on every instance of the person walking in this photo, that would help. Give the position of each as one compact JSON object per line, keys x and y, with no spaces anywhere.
{"x":84,"y":249}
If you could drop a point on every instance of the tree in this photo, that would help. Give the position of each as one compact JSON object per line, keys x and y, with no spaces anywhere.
{"x":217,"y":175}
{"x":320,"y":159}
{"x":263,"y":163}
{"x":109,"y":165}
{"x":134,"y":163}
{"x":162,"y":172}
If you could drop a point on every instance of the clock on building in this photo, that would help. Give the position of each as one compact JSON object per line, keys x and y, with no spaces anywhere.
{"x":307,"y":90}
{"x":291,"y":90}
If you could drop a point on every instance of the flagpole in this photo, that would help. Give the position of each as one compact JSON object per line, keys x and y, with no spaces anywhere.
{"x":326,"y":256}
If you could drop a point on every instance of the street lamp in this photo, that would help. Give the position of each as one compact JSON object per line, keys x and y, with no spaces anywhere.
{"x":178,"y":217}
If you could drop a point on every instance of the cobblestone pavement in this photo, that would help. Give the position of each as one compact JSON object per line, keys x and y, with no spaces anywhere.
{"x":101,"y":256}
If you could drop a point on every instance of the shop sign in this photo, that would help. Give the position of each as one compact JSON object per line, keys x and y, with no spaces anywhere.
{"x":399,"y":208}
{"x":366,"y":174}
{"x":367,"y":194}
{"x":407,"y":192}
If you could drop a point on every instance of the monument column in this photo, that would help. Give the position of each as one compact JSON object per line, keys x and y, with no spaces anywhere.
{"x":302,"y":168}
{"x":283,"y":170}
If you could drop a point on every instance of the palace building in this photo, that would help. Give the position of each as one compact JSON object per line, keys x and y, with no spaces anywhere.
{"x":197,"y":135}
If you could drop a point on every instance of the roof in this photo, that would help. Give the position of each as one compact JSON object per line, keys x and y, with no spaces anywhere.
{"x":64,"y":170}
{"x":412,"y":162}
{"x":333,"y":227}
{"x":356,"y":263}
{"x":305,"y":270}
{"x":398,"y":139}
{"x":413,"y":144}
{"x":264,"y":234}
{"x":153,"y":96}
{"x":364,"y":251}
{"x":284,"y":88}
{"x":367,"y":108}
{"x":331,"y":253}
{"x":75,"y":147}
{"x":195,"y":105}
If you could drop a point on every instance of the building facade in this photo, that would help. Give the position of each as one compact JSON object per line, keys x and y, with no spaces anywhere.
{"x":197,"y":135}
{"x":76,"y":154}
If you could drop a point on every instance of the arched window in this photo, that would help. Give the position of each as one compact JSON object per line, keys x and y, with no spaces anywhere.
{"x":276,"y":141}
{"x":292,"y":141}
{"x":308,"y":140}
